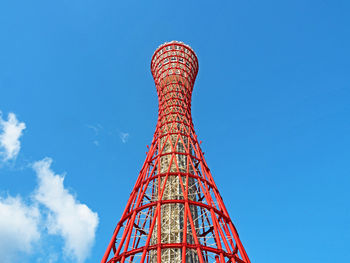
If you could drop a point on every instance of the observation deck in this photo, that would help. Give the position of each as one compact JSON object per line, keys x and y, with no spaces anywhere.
{"x":174,"y":59}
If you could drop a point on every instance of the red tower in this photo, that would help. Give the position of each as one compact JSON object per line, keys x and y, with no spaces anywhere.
{"x":175,"y":212}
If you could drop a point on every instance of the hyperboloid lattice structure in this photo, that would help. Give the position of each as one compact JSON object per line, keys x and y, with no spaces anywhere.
{"x":175,"y":212}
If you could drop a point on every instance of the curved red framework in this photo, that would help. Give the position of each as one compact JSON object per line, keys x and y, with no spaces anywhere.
{"x":175,"y":212}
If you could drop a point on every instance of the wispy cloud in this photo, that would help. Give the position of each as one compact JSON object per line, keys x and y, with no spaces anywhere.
{"x":97,"y":129}
{"x":19,"y":228}
{"x":10,"y":132}
{"x":124,"y":136}
{"x":67,"y":217}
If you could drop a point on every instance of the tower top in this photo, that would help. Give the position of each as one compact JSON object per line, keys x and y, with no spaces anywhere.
{"x":173,"y":42}
{"x":174,"y":59}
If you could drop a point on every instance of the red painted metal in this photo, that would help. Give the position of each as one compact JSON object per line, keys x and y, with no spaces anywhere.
{"x":175,"y":212}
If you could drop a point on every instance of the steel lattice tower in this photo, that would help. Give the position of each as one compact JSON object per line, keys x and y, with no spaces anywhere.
{"x":175,"y":212}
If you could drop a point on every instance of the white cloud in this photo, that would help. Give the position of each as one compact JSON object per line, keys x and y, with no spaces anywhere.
{"x":18,"y":228}
{"x":11,"y":131}
{"x":21,"y":224}
{"x":124,"y":136}
{"x":67,"y":217}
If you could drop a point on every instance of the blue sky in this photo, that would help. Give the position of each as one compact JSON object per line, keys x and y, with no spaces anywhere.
{"x":271,"y":105}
